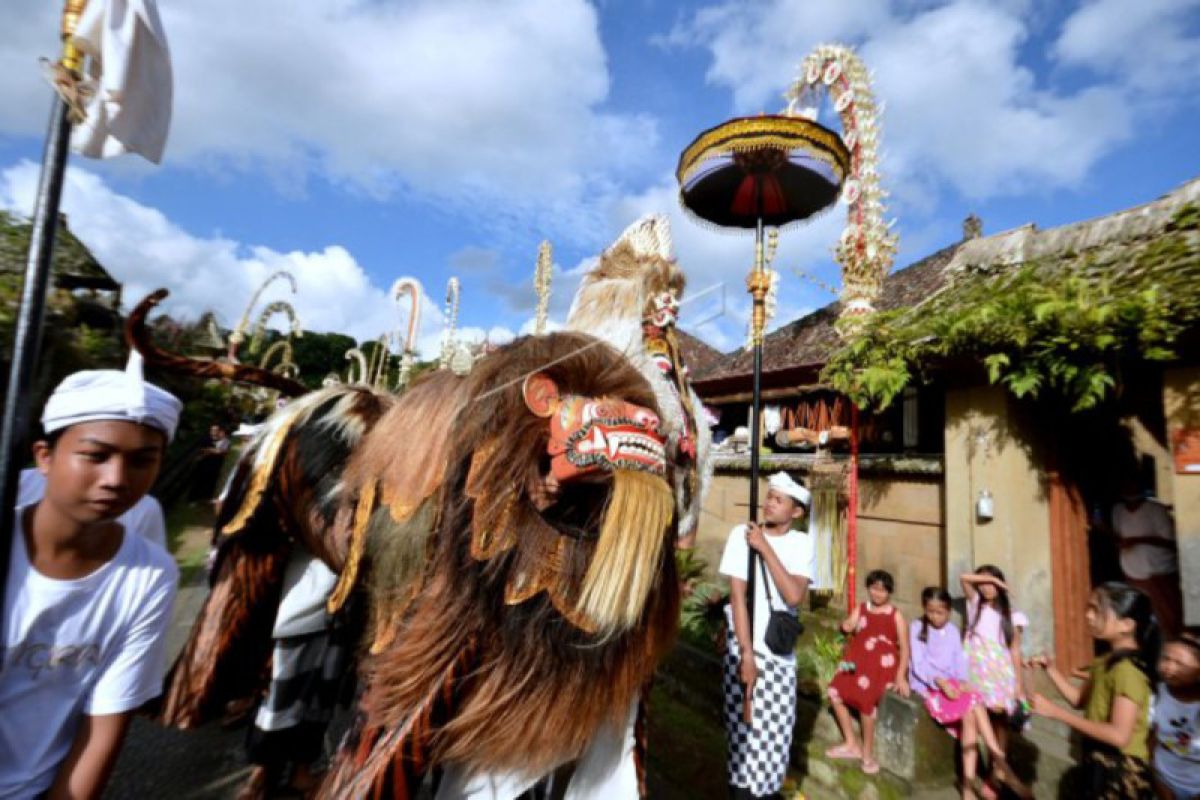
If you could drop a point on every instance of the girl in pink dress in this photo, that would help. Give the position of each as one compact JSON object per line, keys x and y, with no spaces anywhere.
{"x":875,"y":658}
{"x":937,"y":672}
{"x":992,"y":641}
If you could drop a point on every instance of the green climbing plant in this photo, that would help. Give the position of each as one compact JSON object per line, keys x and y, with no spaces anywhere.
{"x":1062,"y":327}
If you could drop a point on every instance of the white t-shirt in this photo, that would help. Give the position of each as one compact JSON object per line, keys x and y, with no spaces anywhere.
{"x":144,"y":519}
{"x":1177,"y":729}
{"x":1150,"y":519}
{"x":94,"y":645}
{"x":795,"y":550}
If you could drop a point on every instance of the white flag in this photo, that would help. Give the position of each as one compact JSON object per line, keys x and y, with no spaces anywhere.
{"x":130,"y":111}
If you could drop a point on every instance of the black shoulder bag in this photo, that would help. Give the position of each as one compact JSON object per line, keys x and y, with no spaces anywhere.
{"x":783,"y":627}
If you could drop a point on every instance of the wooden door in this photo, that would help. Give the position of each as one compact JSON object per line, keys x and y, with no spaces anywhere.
{"x":1070,"y":572}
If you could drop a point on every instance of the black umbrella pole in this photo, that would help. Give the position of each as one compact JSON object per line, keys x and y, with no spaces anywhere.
{"x":27,"y":330}
{"x":758,"y":285}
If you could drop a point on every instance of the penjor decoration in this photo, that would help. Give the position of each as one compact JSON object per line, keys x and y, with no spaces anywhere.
{"x":377,"y":369}
{"x":867,"y":245}
{"x":408,"y":353}
{"x":239,"y":333}
{"x":357,"y":358}
{"x":449,"y":344}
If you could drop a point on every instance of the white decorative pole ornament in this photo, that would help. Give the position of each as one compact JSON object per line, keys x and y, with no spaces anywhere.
{"x":452,"y":296}
{"x":542,"y":276}
{"x":412,"y":288}
{"x":867,"y":245}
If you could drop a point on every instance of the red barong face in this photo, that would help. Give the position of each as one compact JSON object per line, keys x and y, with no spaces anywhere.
{"x":590,"y":436}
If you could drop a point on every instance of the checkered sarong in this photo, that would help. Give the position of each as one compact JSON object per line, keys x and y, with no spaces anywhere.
{"x":758,"y":755}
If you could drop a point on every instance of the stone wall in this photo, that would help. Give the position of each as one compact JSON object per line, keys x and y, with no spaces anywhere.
{"x":986,"y":450}
{"x":901,"y":523}
{"x":901,"y":529}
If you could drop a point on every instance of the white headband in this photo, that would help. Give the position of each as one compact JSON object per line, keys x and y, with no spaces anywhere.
{"x":101,"y":394}
{"x":783,"y":483}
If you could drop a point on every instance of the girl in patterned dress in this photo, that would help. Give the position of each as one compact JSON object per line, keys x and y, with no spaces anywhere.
{"x":1115,"y":697}
{"x":937,"y":672}
{"x":875,"y":658}
{"x":992,"y":640}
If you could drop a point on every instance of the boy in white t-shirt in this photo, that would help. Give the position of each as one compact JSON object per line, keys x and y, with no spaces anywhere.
{"x":759,"y":753}
{"x":87,"y":603}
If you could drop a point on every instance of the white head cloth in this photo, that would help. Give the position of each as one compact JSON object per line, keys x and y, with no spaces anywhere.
{"x":782,"y":482}
{"x":101,"y":394}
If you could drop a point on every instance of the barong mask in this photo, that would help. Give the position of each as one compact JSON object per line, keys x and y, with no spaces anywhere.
{"x":592,"y":435}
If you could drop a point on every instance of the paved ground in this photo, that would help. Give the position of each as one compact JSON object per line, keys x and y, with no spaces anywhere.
{"x":157,"y":762}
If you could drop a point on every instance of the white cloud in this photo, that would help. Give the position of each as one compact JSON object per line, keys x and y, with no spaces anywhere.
{"x":960,"y":107}
{"x":460,"y":100}
{"x":1153,"y":45}
{"x":144,"y":250}
{"x":755,"y":46}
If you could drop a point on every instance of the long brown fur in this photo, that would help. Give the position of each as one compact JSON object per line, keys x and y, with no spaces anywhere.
{"x":541,"y":686}
{"x":227,"y":652}
{"x":498,"y":580}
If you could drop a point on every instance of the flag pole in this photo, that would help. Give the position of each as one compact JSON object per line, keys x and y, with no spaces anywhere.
{"x":27,"y":327}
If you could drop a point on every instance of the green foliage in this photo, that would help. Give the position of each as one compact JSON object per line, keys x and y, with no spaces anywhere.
{"x":699,"y":617}
{"x":817,"y":660}
{"x":1062,"y":327}
{"x":318,"y":354}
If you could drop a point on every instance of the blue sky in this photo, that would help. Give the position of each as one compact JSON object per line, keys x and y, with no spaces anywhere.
{"x":356,"y":142}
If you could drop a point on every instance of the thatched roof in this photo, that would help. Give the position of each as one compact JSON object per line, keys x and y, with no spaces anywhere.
{"x":1056,"y":310}
{"x":1104,"y":244}
{"x":73,"y":267}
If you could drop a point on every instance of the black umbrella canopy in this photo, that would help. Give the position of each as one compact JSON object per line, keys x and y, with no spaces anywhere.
{"x":773,"y":169}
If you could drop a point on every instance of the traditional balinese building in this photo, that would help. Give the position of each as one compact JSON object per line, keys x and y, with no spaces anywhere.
{"x":1037,"y":367}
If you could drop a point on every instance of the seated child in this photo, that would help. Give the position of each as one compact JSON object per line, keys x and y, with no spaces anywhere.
{"x":876,"y":656}
{"x":938,"y":673}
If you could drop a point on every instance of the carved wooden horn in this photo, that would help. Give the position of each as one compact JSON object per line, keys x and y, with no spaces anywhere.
{"x":138,"y":338}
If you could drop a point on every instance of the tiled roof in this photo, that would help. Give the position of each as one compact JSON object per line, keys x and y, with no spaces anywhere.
{"x":701,"y":358}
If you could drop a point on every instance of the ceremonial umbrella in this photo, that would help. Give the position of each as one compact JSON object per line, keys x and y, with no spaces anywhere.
{"x":753,"y":172}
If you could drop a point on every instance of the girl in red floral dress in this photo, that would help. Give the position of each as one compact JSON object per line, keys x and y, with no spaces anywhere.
{"x":875,"y":658}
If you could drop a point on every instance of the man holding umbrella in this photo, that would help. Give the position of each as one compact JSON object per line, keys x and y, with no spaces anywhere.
{"x":759,"y":749}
